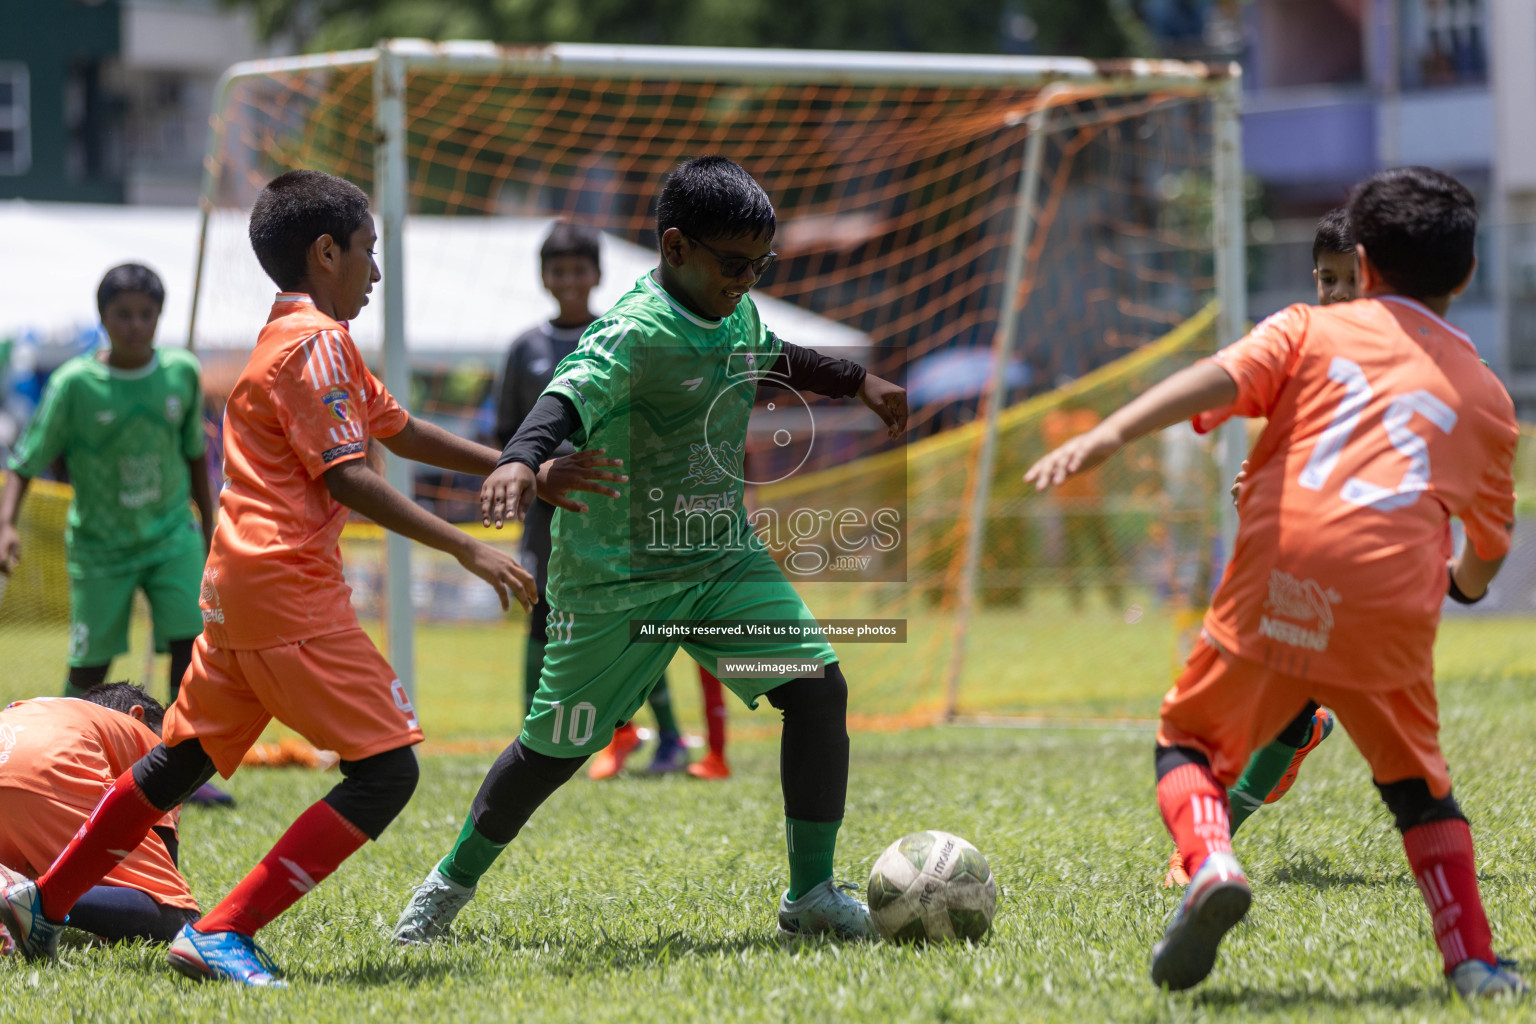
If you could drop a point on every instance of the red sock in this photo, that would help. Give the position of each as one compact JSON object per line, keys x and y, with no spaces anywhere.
{"x":310,"y":850}
{"x":1441,"y":857}
{"x":114,"y":829}
{"x":1194,"y":807}
{"x":714,"y":711}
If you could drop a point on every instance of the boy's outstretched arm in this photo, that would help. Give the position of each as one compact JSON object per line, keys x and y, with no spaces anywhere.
{"x":508,"y":492}
{"x":805,"y":369}
{"x":1199,"y":388}
{"x":428,"y":443}
{"x":356,"y":486}
{"x":10,"y":506}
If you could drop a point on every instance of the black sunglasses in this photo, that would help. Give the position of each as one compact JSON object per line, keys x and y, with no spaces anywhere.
{"x":735,"y":266}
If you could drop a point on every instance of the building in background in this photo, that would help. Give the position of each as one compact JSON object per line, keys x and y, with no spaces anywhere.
{"x":108,"y":100}
{"x":1338,"y":89}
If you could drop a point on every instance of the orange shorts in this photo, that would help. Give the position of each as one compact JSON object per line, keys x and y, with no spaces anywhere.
{"x":38,"y":828}
{"x":336,"y":691}
{"x":1227,"y":707}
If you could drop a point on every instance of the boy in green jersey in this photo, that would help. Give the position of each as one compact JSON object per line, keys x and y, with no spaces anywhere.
{"x":665,"y":381}
{"x":128,"y":421}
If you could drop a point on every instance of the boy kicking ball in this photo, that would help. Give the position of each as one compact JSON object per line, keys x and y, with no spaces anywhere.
{"x":281,"y":639}
{"x":661,"y":368}
{"x":1382,"y":424}
{"x":1272,"y":770}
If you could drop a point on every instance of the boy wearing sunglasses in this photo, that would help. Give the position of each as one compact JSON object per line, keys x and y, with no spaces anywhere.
{"x":666,"y":380}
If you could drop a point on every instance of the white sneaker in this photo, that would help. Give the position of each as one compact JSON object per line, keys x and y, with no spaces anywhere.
{"x":1474,"y":979}
{"x":825,"y":909}
{"x":433,"y":906}
{"x":1217,"y":898}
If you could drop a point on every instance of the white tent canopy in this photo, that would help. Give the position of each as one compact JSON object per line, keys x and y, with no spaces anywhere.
{"x":472,"y":283}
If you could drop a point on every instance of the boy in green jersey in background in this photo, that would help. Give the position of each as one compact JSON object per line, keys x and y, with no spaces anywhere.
{"x":128,"y":422}
{"x":665,"y":380}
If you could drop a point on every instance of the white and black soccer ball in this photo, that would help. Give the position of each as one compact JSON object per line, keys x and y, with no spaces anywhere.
{"x":931,"y":887}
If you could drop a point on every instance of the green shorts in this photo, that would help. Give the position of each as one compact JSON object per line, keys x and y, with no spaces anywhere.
{"x":101,"y":606}
{"x":595,"y":678}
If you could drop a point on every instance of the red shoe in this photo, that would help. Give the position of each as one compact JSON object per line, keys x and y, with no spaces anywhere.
{"x":1322,"y":725}
{"x":712,"y":767}
{"x":610,"y":760}
{"x":1176,"y":875}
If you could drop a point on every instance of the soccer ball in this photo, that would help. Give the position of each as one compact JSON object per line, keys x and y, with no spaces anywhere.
{"x":932,"y":886}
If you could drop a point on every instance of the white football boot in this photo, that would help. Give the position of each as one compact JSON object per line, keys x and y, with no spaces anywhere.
{"x":433,"y":906}
{"x":825,"y":909}
{"x":1474,"y":979}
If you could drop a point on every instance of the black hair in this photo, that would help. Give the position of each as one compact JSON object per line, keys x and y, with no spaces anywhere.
{"x":712,"y":197}
{"x":122,"y":697}
{"x":295,"y":209}
{"x":1418,"y":227}
{"x":567,"y":239}
{"x":130,"y":277}
{"x":1333,"y":234}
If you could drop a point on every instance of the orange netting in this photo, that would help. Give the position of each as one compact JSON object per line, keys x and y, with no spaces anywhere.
{"x":896,"y":205}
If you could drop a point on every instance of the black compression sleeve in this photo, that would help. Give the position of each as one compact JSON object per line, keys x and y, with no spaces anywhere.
{"x":552,"y":420}
{"x":805,"y":369}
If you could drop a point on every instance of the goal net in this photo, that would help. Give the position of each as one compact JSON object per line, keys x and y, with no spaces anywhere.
{"x":920,"y":233}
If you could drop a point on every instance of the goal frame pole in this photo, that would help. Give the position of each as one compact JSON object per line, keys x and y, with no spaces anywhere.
{"x":1229,"y":243}
{"x":996,"y":391}
{"x":392,"y":194}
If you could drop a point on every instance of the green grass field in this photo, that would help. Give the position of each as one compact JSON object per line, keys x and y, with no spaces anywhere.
{"x":652,"y":900}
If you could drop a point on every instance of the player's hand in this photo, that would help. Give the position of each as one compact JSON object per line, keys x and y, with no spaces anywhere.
{"x":507,"y":494}
{"x":1237,"y":483}
{"x":578,"y":471}
{"x":10,"y":549}
{"x":888,"y":401}
{"x":503,"y":572}
{"x":1082,"y":453}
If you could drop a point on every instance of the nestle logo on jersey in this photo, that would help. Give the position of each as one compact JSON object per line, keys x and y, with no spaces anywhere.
{"x":1306,"y":602}
{"x":336,"y":400}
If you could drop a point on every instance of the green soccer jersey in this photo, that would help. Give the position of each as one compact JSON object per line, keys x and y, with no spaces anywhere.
{"x":670,"y":393}
{"x":125,"y":436}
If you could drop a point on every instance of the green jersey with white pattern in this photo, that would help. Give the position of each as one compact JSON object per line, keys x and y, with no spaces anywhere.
{"x":125,"y":436}
{"x":670,"y":393}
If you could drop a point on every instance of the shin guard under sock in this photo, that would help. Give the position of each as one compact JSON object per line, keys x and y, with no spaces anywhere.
{"x":1194,"y":808}
{"x":1258,"y":780}
{"x":115,"y":828}
{"x":812,"y":847}
{"x":1441,"y":856}
{"x":312,"y":848}
{"x":714,"y":711}
{"x":472,"y":856}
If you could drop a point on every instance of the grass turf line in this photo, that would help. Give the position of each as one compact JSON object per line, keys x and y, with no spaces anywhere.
{"x":652,"y":899}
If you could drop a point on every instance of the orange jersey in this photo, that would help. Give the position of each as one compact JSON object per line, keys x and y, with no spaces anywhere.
{"x":1383,"y":423}
{"x":64,"y":754}
{"x":304,"y":402}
